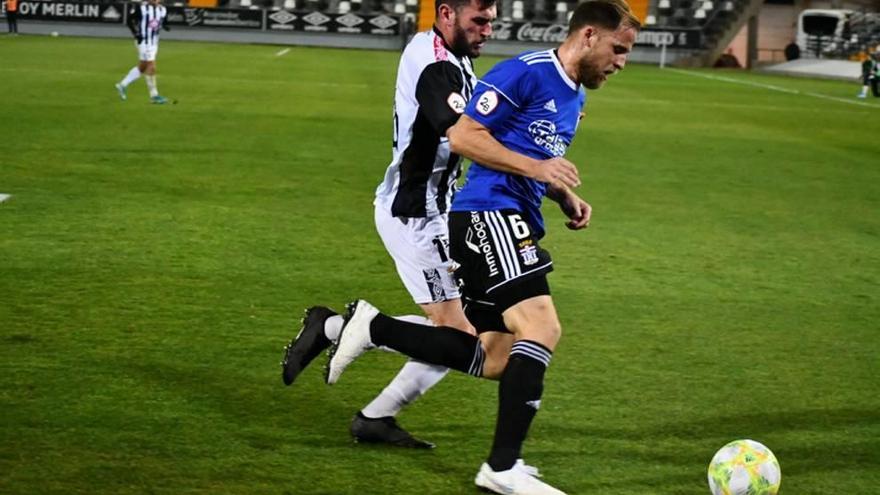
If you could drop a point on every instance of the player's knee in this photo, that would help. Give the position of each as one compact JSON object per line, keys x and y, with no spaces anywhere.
{"x":496,"y":361}
{"x":449,"y":317}
{"x":493,"y":369}
{"x":546,"y":333}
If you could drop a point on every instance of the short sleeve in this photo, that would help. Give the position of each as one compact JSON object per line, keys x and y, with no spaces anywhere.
{"x":499,"y":93}
{"x":438,"y":92}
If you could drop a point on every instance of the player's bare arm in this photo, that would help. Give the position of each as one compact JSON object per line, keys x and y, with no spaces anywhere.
{"x":576,"y":209}
{"x":472,"y":139}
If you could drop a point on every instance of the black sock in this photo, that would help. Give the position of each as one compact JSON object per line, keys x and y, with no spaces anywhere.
{"x":444,"y":346}
{"x":519,"y":397}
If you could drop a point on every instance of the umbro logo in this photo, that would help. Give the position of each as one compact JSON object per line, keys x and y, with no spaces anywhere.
{"x":550,"y":105}
{"x":383,"y":22}
{"x":316,"y":18}
{"x":349,"y":20}
{"x":283,"y":17}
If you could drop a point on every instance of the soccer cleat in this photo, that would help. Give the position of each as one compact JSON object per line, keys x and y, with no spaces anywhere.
{"x":530,"y":470}
{"x":121,"y":90}
{"x":514,"y":481}
{"x":354,"y":339}
{"x":861,"y":95}
{"x":384,"y":430}
{"x":158,"y":100}
{"x":308,"y":343}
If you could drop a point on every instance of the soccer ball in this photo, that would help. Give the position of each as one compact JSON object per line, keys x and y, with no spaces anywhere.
{"x":744,"y":467}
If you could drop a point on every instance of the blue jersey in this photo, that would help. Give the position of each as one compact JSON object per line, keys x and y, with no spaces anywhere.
{"x":530,"y":106}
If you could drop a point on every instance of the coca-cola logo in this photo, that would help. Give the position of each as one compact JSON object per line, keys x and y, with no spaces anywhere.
{"x":501,"y":30}
{"x":553,"y":33}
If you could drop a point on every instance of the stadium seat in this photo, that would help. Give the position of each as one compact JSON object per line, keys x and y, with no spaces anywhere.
{"x":289,"y":4}
{"x":518,"y":11}
{"x":650,"y":20}
{"x":561,"y":11}
{"x":344,"y":7}
{"x":505,"y":11}
{"x":699,"y":14}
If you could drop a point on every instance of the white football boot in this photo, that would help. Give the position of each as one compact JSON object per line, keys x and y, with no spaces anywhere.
{"x":514,"y":481}
{"x":354,"y":339}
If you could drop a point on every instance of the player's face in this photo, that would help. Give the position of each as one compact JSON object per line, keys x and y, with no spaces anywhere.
{"x":607,"y":55}
{"x":472,"y":28}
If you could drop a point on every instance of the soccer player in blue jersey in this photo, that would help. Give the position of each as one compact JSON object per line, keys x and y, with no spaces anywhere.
{"x":516,"y":128}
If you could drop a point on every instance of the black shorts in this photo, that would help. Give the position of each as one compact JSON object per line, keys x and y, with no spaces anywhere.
{"x":500,"y":263}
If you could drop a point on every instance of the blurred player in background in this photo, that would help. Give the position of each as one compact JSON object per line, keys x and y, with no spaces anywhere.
{"x":517,"y":127}
{"x":871,"y":75}
{"x":12,"y":16}
{"x":145,"y":20}
{"x":435,"y":79}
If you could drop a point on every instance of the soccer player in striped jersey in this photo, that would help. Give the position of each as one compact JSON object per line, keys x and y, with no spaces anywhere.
{"x":516,"y":128}
{"x":145,"y":20}
{"x":435,"y":79}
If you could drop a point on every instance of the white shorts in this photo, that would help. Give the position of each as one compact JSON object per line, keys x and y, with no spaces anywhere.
{"x":147,"y":53}
{"x":420,"y":250}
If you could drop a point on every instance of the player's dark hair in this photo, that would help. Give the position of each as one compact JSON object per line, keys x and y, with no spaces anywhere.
{"x":607,"y":14}
{"x":457,"y":4}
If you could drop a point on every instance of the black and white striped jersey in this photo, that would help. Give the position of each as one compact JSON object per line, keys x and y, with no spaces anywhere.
{"x":145,"y":20}
{"x":433,"y":87}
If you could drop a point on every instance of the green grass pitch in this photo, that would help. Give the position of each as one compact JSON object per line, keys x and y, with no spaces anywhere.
{"x":155,"y":260}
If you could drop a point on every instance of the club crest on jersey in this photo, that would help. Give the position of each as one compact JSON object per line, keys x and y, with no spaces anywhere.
{"x":544,"y":134}
{"x":456,"y":102}
{"x":529,"y":255}
{"x":487,"y":103}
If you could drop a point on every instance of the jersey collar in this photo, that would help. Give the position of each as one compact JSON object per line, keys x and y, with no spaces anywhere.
{"x":445,"y":46}
{"x":438,"y":34}
{"x":571,"y":84}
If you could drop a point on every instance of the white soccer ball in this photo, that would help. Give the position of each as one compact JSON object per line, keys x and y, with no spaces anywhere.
{"x":744,"y":467}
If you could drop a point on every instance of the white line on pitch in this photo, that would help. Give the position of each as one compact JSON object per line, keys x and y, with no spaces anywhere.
{"x":772,"y":87}
{"x":4,"y":197}
{"x":282,"y":52}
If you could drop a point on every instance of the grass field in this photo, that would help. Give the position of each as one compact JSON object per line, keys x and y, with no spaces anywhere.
{"x":155,"y":260}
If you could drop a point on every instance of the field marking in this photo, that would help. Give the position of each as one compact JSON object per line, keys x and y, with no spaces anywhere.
{"x":191,"y":77}
{"x":282,"y":52}
{"x":772,"y":87}
{"x":4,"y":197}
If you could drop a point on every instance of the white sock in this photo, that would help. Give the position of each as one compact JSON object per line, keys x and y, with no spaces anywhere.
{"x":151,"y":84}
{"x":131,"y":77}
{"x":413,"y":380}
{"x":864,"y":90}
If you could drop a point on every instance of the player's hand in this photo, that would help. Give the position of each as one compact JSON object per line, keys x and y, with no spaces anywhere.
{"x":558,"y":171}
{"x":577,"y":210}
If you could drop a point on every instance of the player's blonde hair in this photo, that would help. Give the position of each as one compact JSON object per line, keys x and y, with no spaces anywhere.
{"x":608,"y":14}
